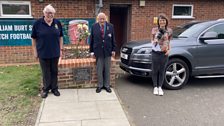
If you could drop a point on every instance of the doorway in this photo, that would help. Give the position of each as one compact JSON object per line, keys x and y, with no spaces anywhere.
{"x":120,"y":18}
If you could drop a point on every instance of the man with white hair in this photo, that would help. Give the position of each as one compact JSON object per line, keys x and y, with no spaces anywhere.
{"x":47,"y":42}
{"x":102,"y":46}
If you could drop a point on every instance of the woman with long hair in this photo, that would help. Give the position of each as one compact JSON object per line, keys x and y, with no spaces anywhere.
{"x":160,"y":38}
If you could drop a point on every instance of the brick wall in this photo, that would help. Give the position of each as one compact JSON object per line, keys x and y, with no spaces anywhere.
{"x":66,"y":78}
{"x":16,"y":54}
{"x":66,"y":8}
{"x":142,"y":17}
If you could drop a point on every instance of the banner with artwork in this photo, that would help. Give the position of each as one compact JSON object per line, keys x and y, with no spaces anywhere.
{"x":17,"y":32}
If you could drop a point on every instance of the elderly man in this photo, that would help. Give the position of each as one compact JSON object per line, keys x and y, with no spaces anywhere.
{"x":102,"y":46}
{"x":47,"y":41}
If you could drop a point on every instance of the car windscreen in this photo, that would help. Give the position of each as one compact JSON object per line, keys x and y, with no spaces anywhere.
{"x":192,"y":30}
{"x":186,"y":30}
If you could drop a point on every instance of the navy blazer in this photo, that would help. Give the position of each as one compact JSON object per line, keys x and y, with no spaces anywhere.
{"x":97,"y":45}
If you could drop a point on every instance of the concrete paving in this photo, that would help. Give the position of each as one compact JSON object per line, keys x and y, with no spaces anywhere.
{"x":82,"y":107}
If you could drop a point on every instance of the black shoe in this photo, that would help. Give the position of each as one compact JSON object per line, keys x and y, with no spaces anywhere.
{"x":98,"y":90}
{"x":56,"y":92}
{"x":44,"y":94}
{"x":108,"y":89}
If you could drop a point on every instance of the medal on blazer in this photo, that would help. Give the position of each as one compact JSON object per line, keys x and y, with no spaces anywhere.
{"x":56,"y":26}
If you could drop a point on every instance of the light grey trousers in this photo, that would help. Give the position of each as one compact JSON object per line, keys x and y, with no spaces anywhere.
{"x":103,"y":71}
{"x":159,"y":62}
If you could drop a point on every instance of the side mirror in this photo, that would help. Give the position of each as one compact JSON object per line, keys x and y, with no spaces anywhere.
{"x":209,"y":35}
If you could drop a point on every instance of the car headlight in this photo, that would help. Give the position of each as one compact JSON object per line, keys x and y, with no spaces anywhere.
{"x":144,"y":51}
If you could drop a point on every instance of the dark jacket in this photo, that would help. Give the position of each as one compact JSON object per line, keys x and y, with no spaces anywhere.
{"x":100,"y":48}
{"x":47,"y":38}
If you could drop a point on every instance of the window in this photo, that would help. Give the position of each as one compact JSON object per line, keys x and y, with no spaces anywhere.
{"x":218,"y":31}
{"x":182,"y":11}
{"x":15,"y":9}
{"x":181,"y":28}
{"x":191,"y":31}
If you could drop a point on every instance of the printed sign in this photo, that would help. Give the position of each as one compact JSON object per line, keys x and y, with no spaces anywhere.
{"x":17,"y":32}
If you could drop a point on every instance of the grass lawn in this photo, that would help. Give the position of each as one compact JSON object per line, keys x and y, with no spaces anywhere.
{"x":19,"y":101}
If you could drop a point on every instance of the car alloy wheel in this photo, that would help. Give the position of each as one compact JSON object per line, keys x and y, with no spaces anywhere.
{"x":177,"y":74}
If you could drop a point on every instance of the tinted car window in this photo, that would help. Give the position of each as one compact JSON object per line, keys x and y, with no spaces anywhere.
{"x":192,"y":30}
{"x":219,"y":30}
{"x":180,"y":29}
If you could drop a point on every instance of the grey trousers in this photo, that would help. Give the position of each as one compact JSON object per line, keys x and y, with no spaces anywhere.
{"x":49,"y":69}
{"x":159,"y":62}
{"x":103,"y":71}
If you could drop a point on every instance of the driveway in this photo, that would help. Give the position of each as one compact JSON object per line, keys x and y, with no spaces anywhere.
{"x":200,"y":103}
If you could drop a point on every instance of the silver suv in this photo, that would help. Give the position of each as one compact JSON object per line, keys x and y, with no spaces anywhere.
{"x":197,"y":49}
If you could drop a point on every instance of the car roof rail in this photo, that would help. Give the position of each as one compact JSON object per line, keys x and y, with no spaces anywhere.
{"x":220,"y":19}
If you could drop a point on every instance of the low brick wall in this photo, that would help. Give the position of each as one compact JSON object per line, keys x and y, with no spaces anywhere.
{"x":66,"y":76}
{"x":16,"y":54}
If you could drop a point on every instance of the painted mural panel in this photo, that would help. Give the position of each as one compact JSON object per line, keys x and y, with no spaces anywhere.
{"x":18,"y":32}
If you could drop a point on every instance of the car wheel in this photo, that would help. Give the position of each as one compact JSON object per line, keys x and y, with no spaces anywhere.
{"x":177,"y":74}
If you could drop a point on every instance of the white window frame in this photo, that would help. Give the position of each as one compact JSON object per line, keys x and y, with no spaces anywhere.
{"x":15,"y":16}
{"x":184,"y":16}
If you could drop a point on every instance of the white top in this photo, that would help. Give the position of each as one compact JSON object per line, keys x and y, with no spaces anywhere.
{"x":156,"y":47}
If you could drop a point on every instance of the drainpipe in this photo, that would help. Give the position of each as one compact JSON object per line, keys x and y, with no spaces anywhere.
{"x":101,"y":3}
{"x":98,"y":7}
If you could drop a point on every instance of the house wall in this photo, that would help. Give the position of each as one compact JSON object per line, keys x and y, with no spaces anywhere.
{"x":142,"y":17}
